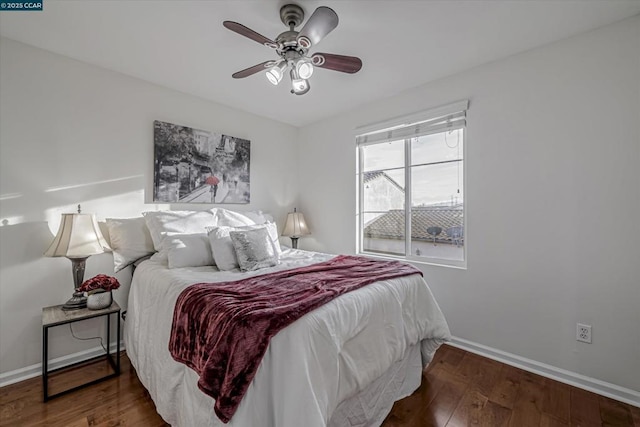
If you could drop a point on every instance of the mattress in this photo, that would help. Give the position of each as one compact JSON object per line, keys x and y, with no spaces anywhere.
{"x":343,"y":364}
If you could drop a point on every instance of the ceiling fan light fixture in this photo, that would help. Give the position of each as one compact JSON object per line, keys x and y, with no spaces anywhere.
{"x":300,"y":86}
{"x":275,"y":73}
{"x":304,"y":68}
{"x":292,"y":48}
{"x":272,"y":77}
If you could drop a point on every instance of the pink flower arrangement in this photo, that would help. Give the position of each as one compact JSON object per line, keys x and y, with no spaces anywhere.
{"x":101,"y":282}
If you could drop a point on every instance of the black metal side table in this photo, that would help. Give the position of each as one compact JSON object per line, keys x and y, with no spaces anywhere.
{"x":55,"y":316}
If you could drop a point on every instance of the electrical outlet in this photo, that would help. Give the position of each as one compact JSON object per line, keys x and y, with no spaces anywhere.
{"x":583,"y":333}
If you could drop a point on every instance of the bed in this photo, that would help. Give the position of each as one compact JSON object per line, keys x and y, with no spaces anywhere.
{"x":343,"y":364}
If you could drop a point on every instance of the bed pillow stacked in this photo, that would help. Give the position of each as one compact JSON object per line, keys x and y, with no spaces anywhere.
{"x":255,"y":244}
{"x":130,"y":241}
{"x":221,"y":237}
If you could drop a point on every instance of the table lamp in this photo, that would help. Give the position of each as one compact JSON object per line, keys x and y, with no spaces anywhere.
{"x":294,"y":227}
{"x":78,"y":238}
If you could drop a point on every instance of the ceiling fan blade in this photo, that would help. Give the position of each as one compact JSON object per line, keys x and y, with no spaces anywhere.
{"x":322,"y":22}
{"x":252,"y":70}
{"x":345,"y":64}
{"x":248,"y":32}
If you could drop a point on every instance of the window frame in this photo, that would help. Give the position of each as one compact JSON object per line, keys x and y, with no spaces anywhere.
{"x":401,"y":124}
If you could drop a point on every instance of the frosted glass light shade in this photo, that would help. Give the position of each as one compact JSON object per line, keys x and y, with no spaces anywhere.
{"x":79,"y":236}
{"x":304,"y":69}
{"x":300,"y":86}
{"x":275,"y":73}
{"x":295,"y":226}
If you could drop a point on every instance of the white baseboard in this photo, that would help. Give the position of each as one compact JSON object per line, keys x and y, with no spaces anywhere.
{"x":603,"y":388}
{"x":35,"y":370}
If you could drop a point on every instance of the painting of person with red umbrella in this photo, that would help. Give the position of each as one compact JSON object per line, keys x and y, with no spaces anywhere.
{"x":199,"y":166}
{"x":213,"y":182}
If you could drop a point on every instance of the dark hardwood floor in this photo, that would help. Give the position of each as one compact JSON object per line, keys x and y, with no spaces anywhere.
{"x":458,"y":389}
{"x":462,"y":389}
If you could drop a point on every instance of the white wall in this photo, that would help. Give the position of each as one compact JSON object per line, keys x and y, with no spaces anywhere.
{"x":64,"y":123}
{"x":552,"y":195}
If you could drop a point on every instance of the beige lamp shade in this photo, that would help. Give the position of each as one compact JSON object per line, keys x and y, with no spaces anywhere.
{"x":79,"y":236}
{"x":295,"y":226}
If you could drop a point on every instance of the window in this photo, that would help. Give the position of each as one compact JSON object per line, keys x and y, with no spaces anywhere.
{"x":411,"y":183}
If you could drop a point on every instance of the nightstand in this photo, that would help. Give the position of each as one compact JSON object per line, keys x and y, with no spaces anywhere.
{"x":55,"y":316}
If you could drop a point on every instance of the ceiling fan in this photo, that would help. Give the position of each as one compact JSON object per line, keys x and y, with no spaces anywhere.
{"x":293,"y":47}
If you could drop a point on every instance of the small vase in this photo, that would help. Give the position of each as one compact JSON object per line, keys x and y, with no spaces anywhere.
{"x":99,"y":300}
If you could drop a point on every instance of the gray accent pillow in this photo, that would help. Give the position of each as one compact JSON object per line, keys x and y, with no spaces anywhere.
{"x":254,"y":249}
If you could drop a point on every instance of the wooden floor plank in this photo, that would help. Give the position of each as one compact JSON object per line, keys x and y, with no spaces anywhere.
{"x":62,"y":380}
{"x":557,"y":401}
{"x":547,"y":420}
{"x":439,"y":355}
{"x":451,"y":358}
{"x":408,"y":408}
{"x":635,"y":414}
{"x":452,"y":391}
{"x":494,"y":415}
{"x":506,"y":386}
{"x":479,"y":372}
{"x":438,"y":412}
{"x":527,"y":409}
{"x":585,"y":408}
{"x":468,"y":410}
{"x":613,"y":413}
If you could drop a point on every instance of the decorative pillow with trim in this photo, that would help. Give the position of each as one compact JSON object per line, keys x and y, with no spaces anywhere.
{"x":254,"y":249}
{"x":224,"y":254}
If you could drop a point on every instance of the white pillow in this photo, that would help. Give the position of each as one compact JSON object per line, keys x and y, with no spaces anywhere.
{"x":272,"y":228}
{"x":259,"y":217}
{"x":227,"y":218}
{"x":162,"y":256}
{"x":162,"y":222}
{"x":188,"y":250}
{"x":130,"y":241}
{"x":224,"y":254}
{"x":254,"y":249}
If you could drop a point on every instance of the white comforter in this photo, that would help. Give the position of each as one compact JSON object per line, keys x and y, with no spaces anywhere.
{"x":327,"y":357}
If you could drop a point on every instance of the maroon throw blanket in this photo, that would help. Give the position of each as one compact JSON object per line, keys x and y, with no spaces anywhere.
{"x":222,"y":330}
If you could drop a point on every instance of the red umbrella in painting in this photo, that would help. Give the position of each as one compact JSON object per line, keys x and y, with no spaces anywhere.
{"x":213,"y":182}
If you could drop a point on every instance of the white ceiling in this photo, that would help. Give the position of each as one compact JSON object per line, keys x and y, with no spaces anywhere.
{"x":403,"y":44}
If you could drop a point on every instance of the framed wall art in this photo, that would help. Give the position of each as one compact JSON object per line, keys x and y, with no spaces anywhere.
{"x":198,"y":166}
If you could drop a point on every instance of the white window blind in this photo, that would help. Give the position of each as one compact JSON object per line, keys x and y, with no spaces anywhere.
{"x":449,"y":117}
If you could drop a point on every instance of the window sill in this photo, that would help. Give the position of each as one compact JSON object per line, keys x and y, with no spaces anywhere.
{"x":458,"y":265}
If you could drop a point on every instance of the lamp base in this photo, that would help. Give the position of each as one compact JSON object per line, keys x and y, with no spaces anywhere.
{"x":294,"y":242}
{"x":77,"y":301}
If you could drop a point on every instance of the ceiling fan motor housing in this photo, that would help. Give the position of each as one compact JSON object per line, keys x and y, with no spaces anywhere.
{"x":291,"y":15}
{"x":288,"y":46}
